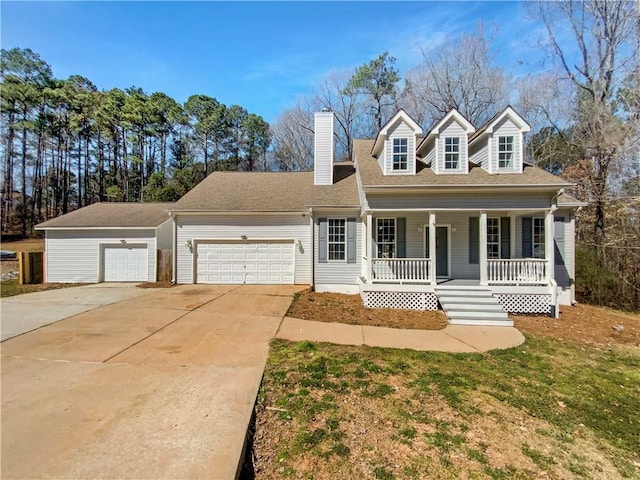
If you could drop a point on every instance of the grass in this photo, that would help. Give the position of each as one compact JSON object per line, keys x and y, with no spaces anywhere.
{"x":9,"y":288}
{"x":438,"y":415}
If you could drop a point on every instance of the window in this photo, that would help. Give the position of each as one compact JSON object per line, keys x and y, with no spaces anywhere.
{"x":538,"y":238}
{"x":505,"y":152}
{"x":336,"y":239}
{"x":451,"y":153}
{"x":493,"y":238}
{"x":400,"y":153}
{"x":386,"y":237}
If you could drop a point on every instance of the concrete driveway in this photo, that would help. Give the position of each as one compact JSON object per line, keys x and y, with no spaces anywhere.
{"x":161,"y":385}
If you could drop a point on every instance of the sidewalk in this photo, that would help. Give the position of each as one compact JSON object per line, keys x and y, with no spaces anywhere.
{"x":453,"y":338}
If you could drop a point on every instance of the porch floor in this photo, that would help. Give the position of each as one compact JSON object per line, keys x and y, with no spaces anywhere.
{"x":458,"y":282}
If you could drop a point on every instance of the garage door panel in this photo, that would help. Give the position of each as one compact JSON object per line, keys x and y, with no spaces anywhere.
{"x":259,"y":263}
{"x":125,"y":263}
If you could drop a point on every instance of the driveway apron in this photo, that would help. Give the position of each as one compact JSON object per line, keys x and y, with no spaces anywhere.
{"x":157,"y":386}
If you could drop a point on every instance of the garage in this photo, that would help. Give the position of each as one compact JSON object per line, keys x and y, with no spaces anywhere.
{"x":255,"y":262}
{"x":125,"y":263}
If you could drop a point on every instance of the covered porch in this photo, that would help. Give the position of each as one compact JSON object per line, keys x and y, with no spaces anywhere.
{"x":484,"y":248}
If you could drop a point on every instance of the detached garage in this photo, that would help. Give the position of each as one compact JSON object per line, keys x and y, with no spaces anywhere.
{"x":107,"y":242}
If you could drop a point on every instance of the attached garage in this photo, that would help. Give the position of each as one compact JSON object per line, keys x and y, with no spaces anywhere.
{"x":107,"y":242}
{"x":259,"y":262}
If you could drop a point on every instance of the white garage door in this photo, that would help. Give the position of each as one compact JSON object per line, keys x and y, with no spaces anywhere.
{"x":268,"y":262}
{"x":125,"y":263}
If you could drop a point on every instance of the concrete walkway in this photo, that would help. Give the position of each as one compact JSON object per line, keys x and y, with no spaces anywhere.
{"x":23,"y":313}
{"x":453,"y":338}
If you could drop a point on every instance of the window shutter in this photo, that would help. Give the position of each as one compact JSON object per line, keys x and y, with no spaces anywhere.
{"x":322,"y":240}
{"x":527,"y":237}
{"x":401,"y":237}
{"x":505,"y":237}
{"x":559,"y":239}
{"x":474,"y":240}
{"x":351,"y":240}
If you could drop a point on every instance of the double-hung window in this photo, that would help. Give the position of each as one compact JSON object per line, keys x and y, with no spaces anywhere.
{"x":493,"y":238}
{"x":505,"y":152}
{"x":386,"y":237}
{"x":336,"y":239}
{"x":451,"y":153}
{"x":400,"y":152}
{"x":538,"y":238}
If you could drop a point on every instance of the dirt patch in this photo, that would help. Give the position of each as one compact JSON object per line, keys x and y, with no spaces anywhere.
{"x":156,"y":285}
{"x":8,"y":266}
{"x":584,"y":324}
{"x":26,"y":245}
{"x":340,"y":308}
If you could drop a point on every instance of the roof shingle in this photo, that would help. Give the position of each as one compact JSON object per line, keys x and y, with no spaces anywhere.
{"x":116,"y":214}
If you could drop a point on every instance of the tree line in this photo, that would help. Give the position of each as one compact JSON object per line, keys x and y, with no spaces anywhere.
{"x":66,"y":144}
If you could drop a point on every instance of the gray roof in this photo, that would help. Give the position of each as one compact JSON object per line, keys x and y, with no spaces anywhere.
{"x":371,"y":174}
{"x":270,"y":191}
{"x":116,"y":214}
{"x":566,"y":200}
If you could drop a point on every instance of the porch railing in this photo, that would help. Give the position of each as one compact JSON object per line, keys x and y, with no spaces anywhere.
{"x":520,"y":271}
{"x":389,"y":270}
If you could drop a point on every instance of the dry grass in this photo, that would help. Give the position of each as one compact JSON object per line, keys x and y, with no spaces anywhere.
{"x":26,"y":245}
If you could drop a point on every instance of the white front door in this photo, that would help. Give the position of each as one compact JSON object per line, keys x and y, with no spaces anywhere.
{"x":125,"y":263}
{"x":266,"y":262}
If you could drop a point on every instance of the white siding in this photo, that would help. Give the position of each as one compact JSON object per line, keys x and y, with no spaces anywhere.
{"x":254,"y":227}
{"x":452,"y":129}
{"x":507,"y":127}
{"x":430,"y":156}
{"x":337,"y":273}
{"x":565,"y":274}
{"x":164,"y":235}
{"x":323,"y":149}
{"x":400,"y":130}
{"x":479,"y":154}
{"x":74,"y":255}
{"x":452,"y":201}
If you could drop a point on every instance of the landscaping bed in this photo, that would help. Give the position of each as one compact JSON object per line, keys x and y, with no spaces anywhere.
{"x":349,"y":309}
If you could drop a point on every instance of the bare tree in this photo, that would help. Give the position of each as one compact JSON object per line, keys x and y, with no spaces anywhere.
{"x":595,"y":44}
{"x":292,"y":135}
{"x":461,"y":75}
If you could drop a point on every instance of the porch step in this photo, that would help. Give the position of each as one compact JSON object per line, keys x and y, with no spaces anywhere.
{"x":472,"y":306}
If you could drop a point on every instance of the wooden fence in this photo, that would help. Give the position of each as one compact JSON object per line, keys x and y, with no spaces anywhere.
{"x":165,"y":266}
{"x":31,"y":267}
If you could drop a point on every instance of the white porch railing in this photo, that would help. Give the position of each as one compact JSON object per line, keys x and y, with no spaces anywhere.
{"x":390,"y":270}
{"x":529,"y":271}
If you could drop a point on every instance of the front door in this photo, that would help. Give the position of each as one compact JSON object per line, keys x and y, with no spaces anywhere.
{"x":442,"y":250}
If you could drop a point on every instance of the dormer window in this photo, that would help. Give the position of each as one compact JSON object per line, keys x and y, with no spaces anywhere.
{"x":451,"y":153}
{"x":505,"y":152}
{"x":400,"y":151}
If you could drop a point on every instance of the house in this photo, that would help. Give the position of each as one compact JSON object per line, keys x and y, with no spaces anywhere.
{"x":453,"y":217}
{"x":106,"y":242}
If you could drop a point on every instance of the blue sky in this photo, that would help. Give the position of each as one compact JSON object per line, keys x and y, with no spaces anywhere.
{"x":259,"y":55}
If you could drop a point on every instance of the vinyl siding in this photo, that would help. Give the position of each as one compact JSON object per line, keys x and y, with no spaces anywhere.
{"x":430,"y":157}
{"x":73,"y":256}
{"x":452,"y":129}
{"x":164,"y":235}
{"x":323,"y":148}
{"x":479,"y":154}
{"x":507,"y":127}
{"x":224,"y":227}
{"x":400,"y":130}
{"x":565,"y":274}
{"x":338,"y":273}
{"x":452,"y":201}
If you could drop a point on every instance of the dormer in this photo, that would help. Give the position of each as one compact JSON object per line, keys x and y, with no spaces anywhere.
{"x":445,"y":148}
{"x":395,"y":145}
{"x":498,"y":146}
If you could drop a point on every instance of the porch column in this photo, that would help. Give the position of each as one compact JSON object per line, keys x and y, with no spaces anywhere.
{"x":549,"y":244}
{"x":432,"y":248}
{"x":483,"y":249}
{"x":369,"y":247}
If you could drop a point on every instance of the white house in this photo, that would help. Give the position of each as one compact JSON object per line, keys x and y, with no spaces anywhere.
{"x":453,"y":218}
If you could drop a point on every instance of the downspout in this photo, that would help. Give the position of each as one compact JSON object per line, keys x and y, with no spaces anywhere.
{"x":312,"y":247}
{"x":174,"y":260}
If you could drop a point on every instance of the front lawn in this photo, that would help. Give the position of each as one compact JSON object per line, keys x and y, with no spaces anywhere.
{"x":9,"y":288}
{"x":546,"y":409}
